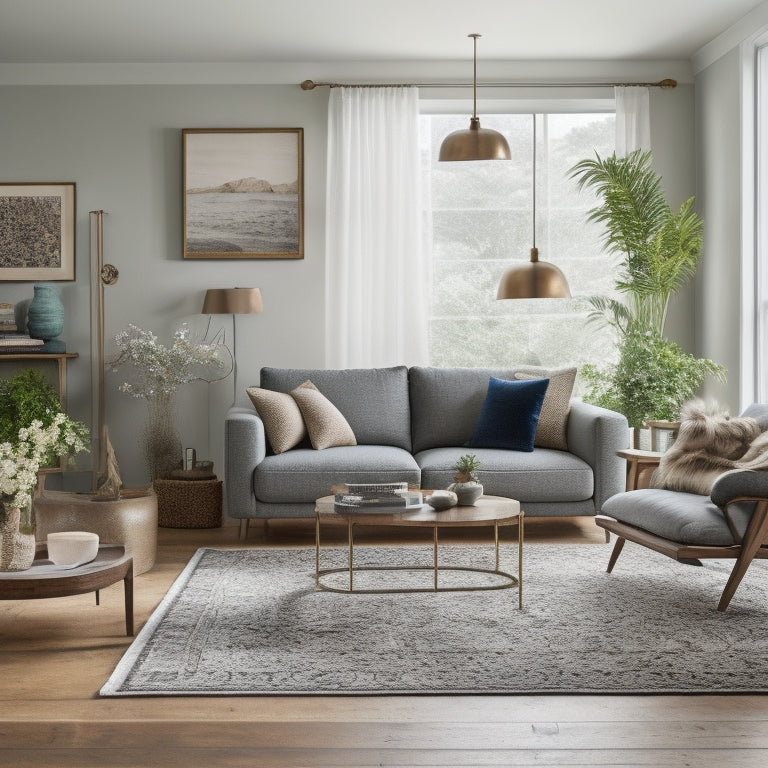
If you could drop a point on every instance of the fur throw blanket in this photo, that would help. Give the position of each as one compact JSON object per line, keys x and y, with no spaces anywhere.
{"x":707,"y":445}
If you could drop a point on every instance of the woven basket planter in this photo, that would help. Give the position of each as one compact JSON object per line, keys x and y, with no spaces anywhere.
{"x":188,"y":503}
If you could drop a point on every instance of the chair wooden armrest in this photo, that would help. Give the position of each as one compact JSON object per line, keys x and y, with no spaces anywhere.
{"x":640,"y":466}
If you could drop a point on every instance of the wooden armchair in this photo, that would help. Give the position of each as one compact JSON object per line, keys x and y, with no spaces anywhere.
{"x":730,"y":523}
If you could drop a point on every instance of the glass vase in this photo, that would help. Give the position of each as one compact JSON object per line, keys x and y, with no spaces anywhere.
{"x":161,"y":440}
{"x":17,"y":537}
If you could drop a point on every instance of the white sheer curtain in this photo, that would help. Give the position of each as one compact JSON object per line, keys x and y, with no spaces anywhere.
{"x":377,"y":269}
{"x":633,"y":120}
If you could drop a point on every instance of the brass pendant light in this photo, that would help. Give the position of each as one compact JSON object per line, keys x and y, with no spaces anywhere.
{"x":536,"y":279}
{"x":474,"y":143}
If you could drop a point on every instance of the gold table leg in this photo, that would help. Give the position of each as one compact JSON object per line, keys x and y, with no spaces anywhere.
{"x":351,"y":552}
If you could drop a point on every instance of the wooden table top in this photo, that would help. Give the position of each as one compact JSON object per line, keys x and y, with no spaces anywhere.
{"x":44,"y":579}
{"x":486,"y":510}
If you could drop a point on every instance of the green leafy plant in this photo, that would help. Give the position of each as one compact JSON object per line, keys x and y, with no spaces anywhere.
{"x":466,"y":468}
{"x":659,"y":250}
{"x":25,"y":397}
{"x":652,"y":379}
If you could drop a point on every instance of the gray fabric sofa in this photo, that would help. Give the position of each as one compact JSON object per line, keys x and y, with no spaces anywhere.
{"x":412,"y":424}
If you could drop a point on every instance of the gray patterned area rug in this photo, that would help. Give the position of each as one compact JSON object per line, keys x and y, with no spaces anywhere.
{"x":249,"y":622}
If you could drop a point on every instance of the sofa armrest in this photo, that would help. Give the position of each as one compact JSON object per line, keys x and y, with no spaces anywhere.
{"x":245,"y":447}
{"x":596,"y":435}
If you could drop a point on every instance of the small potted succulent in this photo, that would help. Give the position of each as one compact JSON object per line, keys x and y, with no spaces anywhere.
{"x":465,"y":484}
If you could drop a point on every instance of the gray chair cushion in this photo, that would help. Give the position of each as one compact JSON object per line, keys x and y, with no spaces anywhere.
{"x":303,"y":475}
{"x":446,"y":403}
{"x":374,"y":401}
{"x":685,"y":518}
{"x":759,"y":412}
{"x":544,"y":475}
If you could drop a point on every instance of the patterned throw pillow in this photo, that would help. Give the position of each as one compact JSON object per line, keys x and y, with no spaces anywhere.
{"x":282,"y":418}
{"x":326,"y":426}
{"x":553,"y":419}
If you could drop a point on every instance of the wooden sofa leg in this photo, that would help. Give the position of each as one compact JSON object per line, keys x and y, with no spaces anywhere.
{"x":607,"y":536}
{"x":244,"y":528}
{"x":615,"y":554}
{"x":753,"y":539}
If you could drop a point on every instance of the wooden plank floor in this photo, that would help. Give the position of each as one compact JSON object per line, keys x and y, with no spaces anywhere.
{"x":56,"y":654}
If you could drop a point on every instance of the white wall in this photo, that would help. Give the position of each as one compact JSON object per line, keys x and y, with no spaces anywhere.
{"x":718,"y":132}
{"x":121,"y":144}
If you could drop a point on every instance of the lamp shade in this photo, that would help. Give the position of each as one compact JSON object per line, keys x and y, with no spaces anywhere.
{"x":474,"y":143}
{"x":232,"y":301}
{"x":533,"y":280}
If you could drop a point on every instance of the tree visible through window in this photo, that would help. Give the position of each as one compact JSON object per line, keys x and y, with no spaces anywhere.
{"x":479,"y":216}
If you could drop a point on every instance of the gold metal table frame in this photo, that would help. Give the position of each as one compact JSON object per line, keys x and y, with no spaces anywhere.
{"x":489,"y":511}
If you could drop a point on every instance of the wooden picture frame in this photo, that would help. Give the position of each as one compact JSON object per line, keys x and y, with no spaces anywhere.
{"x":37,"y":231}
{"x":243,"y":192}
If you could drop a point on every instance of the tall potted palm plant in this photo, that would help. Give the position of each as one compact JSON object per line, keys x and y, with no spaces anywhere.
{"x":659,"y":250}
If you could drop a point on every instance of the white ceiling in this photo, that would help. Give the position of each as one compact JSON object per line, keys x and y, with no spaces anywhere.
{"x":204,"y":31}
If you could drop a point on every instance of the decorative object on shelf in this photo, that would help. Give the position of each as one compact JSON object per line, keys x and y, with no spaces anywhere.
{"x":72,"y":548}
{"x":660,"y":250}
{"x":45,"y":317}
{"x":465,"y":484}
{"x":8,"y":318}
{"x":38,"y":224}
{"x":243,"y":193}
{"x":474,"y":143}
{"x":534,"y":279}
{"x":233,"y":301}
{"x":109,"y":483}
{"x":156,"y":373}
{"x":440,"y":500}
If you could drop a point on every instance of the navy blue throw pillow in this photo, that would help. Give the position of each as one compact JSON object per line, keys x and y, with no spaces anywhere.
{"x":510,"y":414}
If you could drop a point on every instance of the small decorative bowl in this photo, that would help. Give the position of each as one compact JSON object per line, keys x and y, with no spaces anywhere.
{"x":72,"y":547}
{"x":440,"y":500}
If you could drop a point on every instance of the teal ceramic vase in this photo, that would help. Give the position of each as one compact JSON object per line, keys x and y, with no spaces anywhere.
{"x":45,"y":316}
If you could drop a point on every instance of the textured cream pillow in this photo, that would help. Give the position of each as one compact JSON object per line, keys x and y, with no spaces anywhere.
{"x":282,"y":418}
{"x":551,"y":431}
{"x":326,"y":425}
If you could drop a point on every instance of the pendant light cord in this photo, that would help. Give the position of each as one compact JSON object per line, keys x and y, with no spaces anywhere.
{"x":474,"y":37}
{"x":534,"y":181}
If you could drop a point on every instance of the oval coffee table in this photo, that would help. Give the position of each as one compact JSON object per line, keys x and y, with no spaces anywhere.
{"x":44,"y":579}
{"x":489,"y":511}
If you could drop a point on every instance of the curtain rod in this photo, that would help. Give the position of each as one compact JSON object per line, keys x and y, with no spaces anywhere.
{"x":666,"y":84}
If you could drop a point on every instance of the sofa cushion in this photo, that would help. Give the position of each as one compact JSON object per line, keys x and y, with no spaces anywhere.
{"x":543,"y":475}
{"x":686,"y":518}
{"x":282,"y":418}
{"x":510,"y":414}
{"x":446,"y":403}
{"x":374,"y":401}
{"x":303,"y":475}
{"x":326,"y":426}
{"x":552,"y":428}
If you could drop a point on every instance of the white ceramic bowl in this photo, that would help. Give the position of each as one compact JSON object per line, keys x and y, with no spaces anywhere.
{"x":72,"y":547}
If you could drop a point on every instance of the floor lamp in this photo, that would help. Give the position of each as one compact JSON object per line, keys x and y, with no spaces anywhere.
{"x":233,"y":301}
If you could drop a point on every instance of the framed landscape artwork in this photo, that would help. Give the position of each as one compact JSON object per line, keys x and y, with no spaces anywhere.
{"x":37,"y":231}
{"x":243,"y":193}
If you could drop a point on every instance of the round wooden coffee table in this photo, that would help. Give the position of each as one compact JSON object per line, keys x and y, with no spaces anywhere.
{"x":488,"y":511}
{"x":44,"y":579}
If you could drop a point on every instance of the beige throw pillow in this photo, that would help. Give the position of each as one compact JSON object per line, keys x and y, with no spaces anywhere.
{"x":326,"y":426}
{"x":551,"y":431}
{"x":282,"y":418}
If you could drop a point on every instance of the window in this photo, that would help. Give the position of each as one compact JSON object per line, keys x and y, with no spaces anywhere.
{"x":479,"y":219}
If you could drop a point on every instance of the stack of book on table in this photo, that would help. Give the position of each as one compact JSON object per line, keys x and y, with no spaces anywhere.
{"x":15,"y":343}
{"x":7,"y":318}
{"x":376,"y":497}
